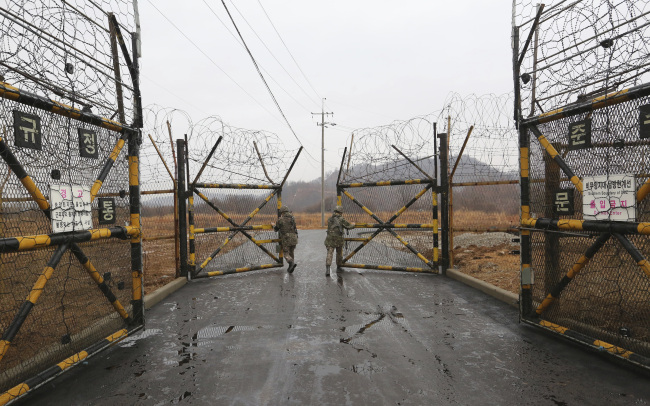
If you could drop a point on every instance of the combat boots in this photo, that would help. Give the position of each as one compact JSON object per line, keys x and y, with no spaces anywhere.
{"x":327,"y":270}
{"x":291,"y":267}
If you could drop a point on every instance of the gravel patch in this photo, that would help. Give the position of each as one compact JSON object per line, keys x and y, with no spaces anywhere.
{"x":484,"y":240}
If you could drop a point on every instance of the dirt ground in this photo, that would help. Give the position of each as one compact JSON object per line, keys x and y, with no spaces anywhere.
{"x":495,"y":265}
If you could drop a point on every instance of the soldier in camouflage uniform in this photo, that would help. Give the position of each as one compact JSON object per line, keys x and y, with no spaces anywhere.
{"x":334,"y":240}
{"x":286,"y":226}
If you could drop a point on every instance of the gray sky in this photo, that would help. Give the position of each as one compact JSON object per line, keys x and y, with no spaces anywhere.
{"x":375,"y":62}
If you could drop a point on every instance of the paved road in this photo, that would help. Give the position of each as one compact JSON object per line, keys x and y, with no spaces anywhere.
{"x":376,"y":338}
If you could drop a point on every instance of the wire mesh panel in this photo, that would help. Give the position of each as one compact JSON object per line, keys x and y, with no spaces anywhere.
{"x":584,"y":173}
{"x":158,"y":159}
{"x":70,"y":259}
{"x":234,"y":179}
{"x":387,"y":186}
{"x":483,"y":162}
{"x":78,"y":284}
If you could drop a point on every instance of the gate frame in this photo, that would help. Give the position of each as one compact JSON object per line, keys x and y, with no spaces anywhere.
{"x":70,"y":240}
{"x":187,"y":227}
{"x":607,"y":229}
{"x":431,"y":184}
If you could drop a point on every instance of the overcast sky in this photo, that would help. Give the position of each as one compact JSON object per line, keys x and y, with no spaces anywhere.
{"x":374,"y":61}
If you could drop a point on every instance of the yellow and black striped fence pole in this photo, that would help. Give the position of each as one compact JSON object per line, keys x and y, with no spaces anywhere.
{"x":383,"y":225}
{"x":575,"y":269}
{"x":50,"y":373}
{"x":390,"y":220}
{"x":32,"y":298}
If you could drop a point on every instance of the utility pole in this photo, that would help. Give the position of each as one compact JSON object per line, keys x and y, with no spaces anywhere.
{"x":323,"y":124}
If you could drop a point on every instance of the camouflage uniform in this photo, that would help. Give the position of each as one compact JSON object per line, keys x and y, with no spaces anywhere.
{"x":334,"y":239}
{"x":286,"y":227}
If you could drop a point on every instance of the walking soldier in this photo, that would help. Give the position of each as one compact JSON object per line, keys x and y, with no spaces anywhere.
{"x":286,"y":227}
{"x":334,"y":239}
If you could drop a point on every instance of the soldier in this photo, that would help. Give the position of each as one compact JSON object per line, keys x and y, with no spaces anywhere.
{"x":286,"y":226}
{"x":334,"y":240}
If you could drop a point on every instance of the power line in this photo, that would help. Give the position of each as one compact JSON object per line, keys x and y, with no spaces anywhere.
{"x":265,"y":71}
{"x":287,"y":48}
{"x":262,"y":76}
{"x":211,"y":60}
{"x":273,"y":55}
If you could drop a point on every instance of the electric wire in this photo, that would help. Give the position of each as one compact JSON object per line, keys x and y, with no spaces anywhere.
{"x":272,"y":54}
{"x":265,"y":71}
{"x":287,"y":48}
{"x":209,"y":58}
{"x":275,"y":101}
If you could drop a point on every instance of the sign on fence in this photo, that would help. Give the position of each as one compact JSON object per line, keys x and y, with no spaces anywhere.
{"x":609,"y":197}
{"x":71,"y":210}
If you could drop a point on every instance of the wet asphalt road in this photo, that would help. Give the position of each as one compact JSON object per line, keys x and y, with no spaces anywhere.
{"x":371,"y":337}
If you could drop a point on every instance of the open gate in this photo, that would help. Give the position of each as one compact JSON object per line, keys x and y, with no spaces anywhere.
{"x":230,"y":224}
{"x":396,"y":213}
{"x":70,"y":234}
{"x":83,"y":236}
{"x":584,"y":130}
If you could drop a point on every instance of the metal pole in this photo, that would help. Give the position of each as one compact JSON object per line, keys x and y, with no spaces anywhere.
{"x":444,"y":186}
{"x":322,"y":167}
{"x":322,"y":170}
{"x":116,"y":69}
{"x":182,"y":210}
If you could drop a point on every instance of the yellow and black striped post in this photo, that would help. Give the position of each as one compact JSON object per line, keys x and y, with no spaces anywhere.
{"x":31,"y":300}
{"x":50,"y":373}
{"x":634,"y":253}
{"x":387,"y":227}
{"x":526,"y":276}
{"x":280,"y":250}
{"x":190,"y":220}
{"x":182,"y":208}
{"x":136,"y":239}
{"x":232,"y":235}
{"x":108,"y":165}
{"x":575,"y":269}
{"x":101,"y":283}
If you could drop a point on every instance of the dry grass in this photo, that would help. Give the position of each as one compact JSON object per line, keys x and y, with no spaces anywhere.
{"x":482,"y":220}
{"x":494,"y":265}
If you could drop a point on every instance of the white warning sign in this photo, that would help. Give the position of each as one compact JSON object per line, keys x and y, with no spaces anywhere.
{"x":70,"y":208}
{"x":609,"y":197}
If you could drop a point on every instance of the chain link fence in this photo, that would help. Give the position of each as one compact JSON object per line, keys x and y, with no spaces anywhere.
{"x":70,"y":272}
{"x":387,"y":185}
{"x":583,"y":110}
{"x":236,"y":176}
{"x":483,"y":166}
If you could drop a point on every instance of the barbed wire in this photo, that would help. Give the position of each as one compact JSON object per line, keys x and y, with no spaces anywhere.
{"x":62,"y":50}
{"x":236,"y":160}
{"x":583,"y":50}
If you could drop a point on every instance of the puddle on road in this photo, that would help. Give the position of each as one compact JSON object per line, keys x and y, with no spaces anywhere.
{"x":132,"y":340}
{"x":216,"y":331}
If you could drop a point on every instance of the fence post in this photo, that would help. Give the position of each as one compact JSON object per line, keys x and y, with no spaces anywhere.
{"x":182,"y":208}
{"x":135,"y":139}
{"x":444,"y":201}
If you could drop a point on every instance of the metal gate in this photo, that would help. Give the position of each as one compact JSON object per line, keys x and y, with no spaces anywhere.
{"x":84,"y":240}
{"x":378,"y":193}
{"x":70,"y":234}
{"x":224,"y":237}
{"x":584,"y":140}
